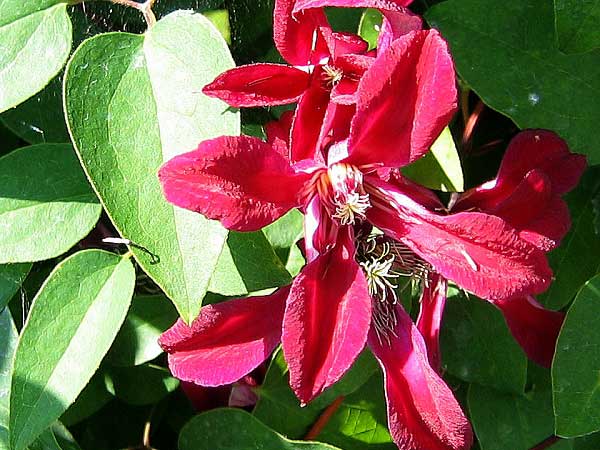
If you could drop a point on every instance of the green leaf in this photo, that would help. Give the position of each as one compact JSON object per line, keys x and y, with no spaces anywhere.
{"x":247,"y":264}
{"x":577,"y":25}
{"x":220,"y":19}
{"x":8,"y":344}
{"x":577,"y":259}
{"x":213,"y":430}
{"x":440,"y":168}
{"x":137,"y":341}
{"x":512,"y":62}
{"x":11,"y":279}
{"x":361,"y":421}
{"x":279,"y":408}
{"x":141,"y":385}
{"x":478,"y":347}
{"x":39,"y":119}
{"x":370,"y":25}
{"x":128,"y":117}
{"x":57,"y":437}
{"x":517,"y":422}
{"x":591,"y":442}
{"x":284,"y":233}
{"x":93,"y":397}
{"x":576,"y":366}
{"x":72,"y":323}
{"x":47,"y":205}
{"x":35,"y":37}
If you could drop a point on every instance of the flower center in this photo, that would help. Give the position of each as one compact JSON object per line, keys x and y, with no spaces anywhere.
{"x":348,"y":202}
{"x":384,"y":261}
{"x":331,"y":75}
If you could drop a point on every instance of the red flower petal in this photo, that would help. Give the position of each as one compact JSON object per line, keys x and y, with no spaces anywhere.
{"x":308,"y":121}
{"x":416,"y":68}
{"x":326,"y":320}
{"x":280,"y":129}
{"x":534,"y":327}
{"x":479,"y":252}
{"x":422,"y":411}
{"x":545,"y":151}
{"x":433,"y":300}
{"x":548,"y":229}
{"x":259,"y":85}
{"x":241,"y":181}
{"x":227,"y":340}
{"x":298,"y":38}
{"x":396,"y":24}
{"x":343,"y":43}
{"x":379,"y":4}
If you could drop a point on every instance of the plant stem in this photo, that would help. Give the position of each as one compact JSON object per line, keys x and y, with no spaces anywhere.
{"x":546,"y":443}
{"x":325,"y":416}
{"x":145,"y":8}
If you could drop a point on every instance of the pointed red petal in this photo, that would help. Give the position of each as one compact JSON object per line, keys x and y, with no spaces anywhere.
{"x":418,"y":69}
{"x":422,"y":411}
{"x":343,"y":43}
{"x":545,"y":151}
{"x":534,"y":327}
{"x":280,"y":129}
{"x":379,"y":4}
{"x":298,"y":37}
{"x":479,"y":252}
{"x":326,"y":320}
{"x":396,"y":24}
{"x":548,"y":229}
{"x":433,"y":300}
{"x":227,"y":340}
{"x":241,"y":181}
{"x":259,"y":85}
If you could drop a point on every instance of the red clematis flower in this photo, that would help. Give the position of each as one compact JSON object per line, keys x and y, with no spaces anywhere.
{"x":325,"y":318}
{"x":323,"y":76}
{"x":536,"y":170}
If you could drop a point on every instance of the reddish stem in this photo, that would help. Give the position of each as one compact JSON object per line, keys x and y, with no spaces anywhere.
{"x":470,"y":125}
{"x":546,"y":443}
{"x":325,"y":416}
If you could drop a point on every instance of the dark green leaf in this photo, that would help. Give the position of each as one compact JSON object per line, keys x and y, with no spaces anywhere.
{"x":577,"y":25}
{"x":11,"y":279}
{"x":8,"y":344}
{"x":137,"y":341}
{"x":35,"y":37}
{"x":478,"y":347}
{"x":141,"y":385}
{"x":71,"y":325}
{"x":512,"y":62}
{"x":361,"y":421}
{"x":279,"y":408}
{"x":57,"y":437}
{"x":251,"y":27}
{"x":40,"y":119}
{"x":93,"y":397}
{"x":47,"y":205}
{"x":577,"y":259}
{"x":576,"y":366}
{"x":591,"y":442}
{"x":517,"y":422}
{"x":150,"y":93}
{"x":235,"y":429}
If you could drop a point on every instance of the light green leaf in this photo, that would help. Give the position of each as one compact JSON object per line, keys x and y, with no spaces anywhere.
{"x":213,"y":430}
{"x":57,"y":437}
{"x":72,"y":323}
{"x":576,"y":366}
{"x":478,"y":347}
{"x":47,"y":205}
{"x":370,"y":25}
{"x":8,"y":344}
{"x":577,"y":25}
{"x":512,"y":62}
{"x":440,"y":168}
{"x":35,"y":38}
{"x":137,"y":341}
{"x":247,"y":264}
{"x":279,"y":408}
{"x":220,"y":19}
{"x":130,"y":116}
{"x":11,"y":278}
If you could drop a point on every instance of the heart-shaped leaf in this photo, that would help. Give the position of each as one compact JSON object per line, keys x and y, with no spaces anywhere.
{"x":577,"y":25}
{"x":128,"y":117}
